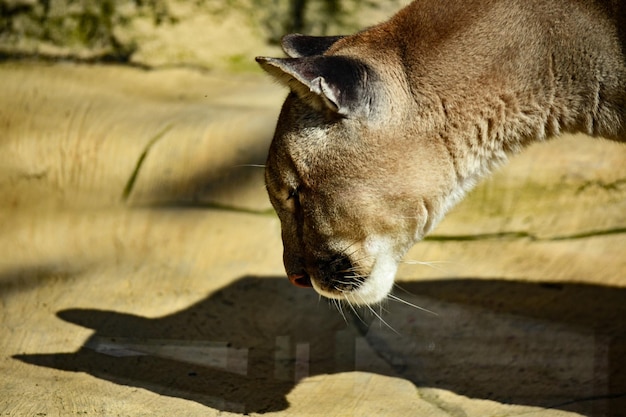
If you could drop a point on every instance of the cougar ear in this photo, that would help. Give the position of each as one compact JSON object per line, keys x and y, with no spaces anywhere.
{"x":298,"y":46}
{"x":338,"y":83}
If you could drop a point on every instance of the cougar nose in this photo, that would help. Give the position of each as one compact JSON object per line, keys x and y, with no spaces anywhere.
{"x":300,"y":280}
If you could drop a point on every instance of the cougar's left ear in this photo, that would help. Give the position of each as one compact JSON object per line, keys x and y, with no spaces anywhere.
{"x":338,"y":83}
{"x":298,"y":46}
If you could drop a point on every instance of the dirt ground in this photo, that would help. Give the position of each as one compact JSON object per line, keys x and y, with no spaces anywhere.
{"x":140,"y":269}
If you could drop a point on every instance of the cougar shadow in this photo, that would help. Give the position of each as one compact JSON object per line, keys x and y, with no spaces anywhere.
{"x":246,"y":346}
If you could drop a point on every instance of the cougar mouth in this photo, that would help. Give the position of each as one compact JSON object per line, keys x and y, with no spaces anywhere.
{"x":336,"y":275}
{"x":342,"y":279}
{"x":362,"y":289}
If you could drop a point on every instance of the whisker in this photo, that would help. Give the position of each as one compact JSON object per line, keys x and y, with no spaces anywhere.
{"x":250,"y":165}
{"x":337,"y":304}
{"x":431,"y":264}
{"x":400,"y":300}
{"x":413,"y":261}
{"x":346,"y":254}
{"x":343,"y":256}
{"x":347,"y":271}
{"x":379,"y":317}
{"x":403,"y":289}
{"x":346,"y":283}
{"x":344,"y":250}
{"x":346,"y":297}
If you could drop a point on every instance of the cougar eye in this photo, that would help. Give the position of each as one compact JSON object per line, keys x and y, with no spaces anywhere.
{"x":293,"y":194}
{"x":292,"y":202}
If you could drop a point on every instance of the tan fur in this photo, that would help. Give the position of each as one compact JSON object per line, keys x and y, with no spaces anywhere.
{"x":386,"y":129}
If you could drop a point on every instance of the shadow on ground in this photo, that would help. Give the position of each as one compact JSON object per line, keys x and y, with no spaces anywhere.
{"x":245,"y":347}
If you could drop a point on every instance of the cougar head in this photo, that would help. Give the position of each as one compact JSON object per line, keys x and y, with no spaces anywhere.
{"x":354,"y":178}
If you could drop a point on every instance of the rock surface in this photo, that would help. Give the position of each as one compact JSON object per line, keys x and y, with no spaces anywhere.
{"x":141,"y":269}
{"x":208,"y":34}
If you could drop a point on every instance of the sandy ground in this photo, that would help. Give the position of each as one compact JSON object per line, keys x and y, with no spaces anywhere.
{"x":140,"y":269}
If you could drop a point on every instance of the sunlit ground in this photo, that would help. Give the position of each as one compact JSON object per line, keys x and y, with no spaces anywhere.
{"x":141,"y":269}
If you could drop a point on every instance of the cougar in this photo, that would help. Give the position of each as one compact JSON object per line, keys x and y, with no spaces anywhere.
{"x":385,"y":130}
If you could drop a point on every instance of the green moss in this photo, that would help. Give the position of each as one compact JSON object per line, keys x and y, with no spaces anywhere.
{"x":241,"y":63}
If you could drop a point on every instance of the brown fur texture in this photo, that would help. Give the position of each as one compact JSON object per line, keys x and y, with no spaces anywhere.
{"x":386,"y":129}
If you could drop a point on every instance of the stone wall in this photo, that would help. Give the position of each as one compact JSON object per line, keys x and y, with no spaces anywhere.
{"x":209,"y":34}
